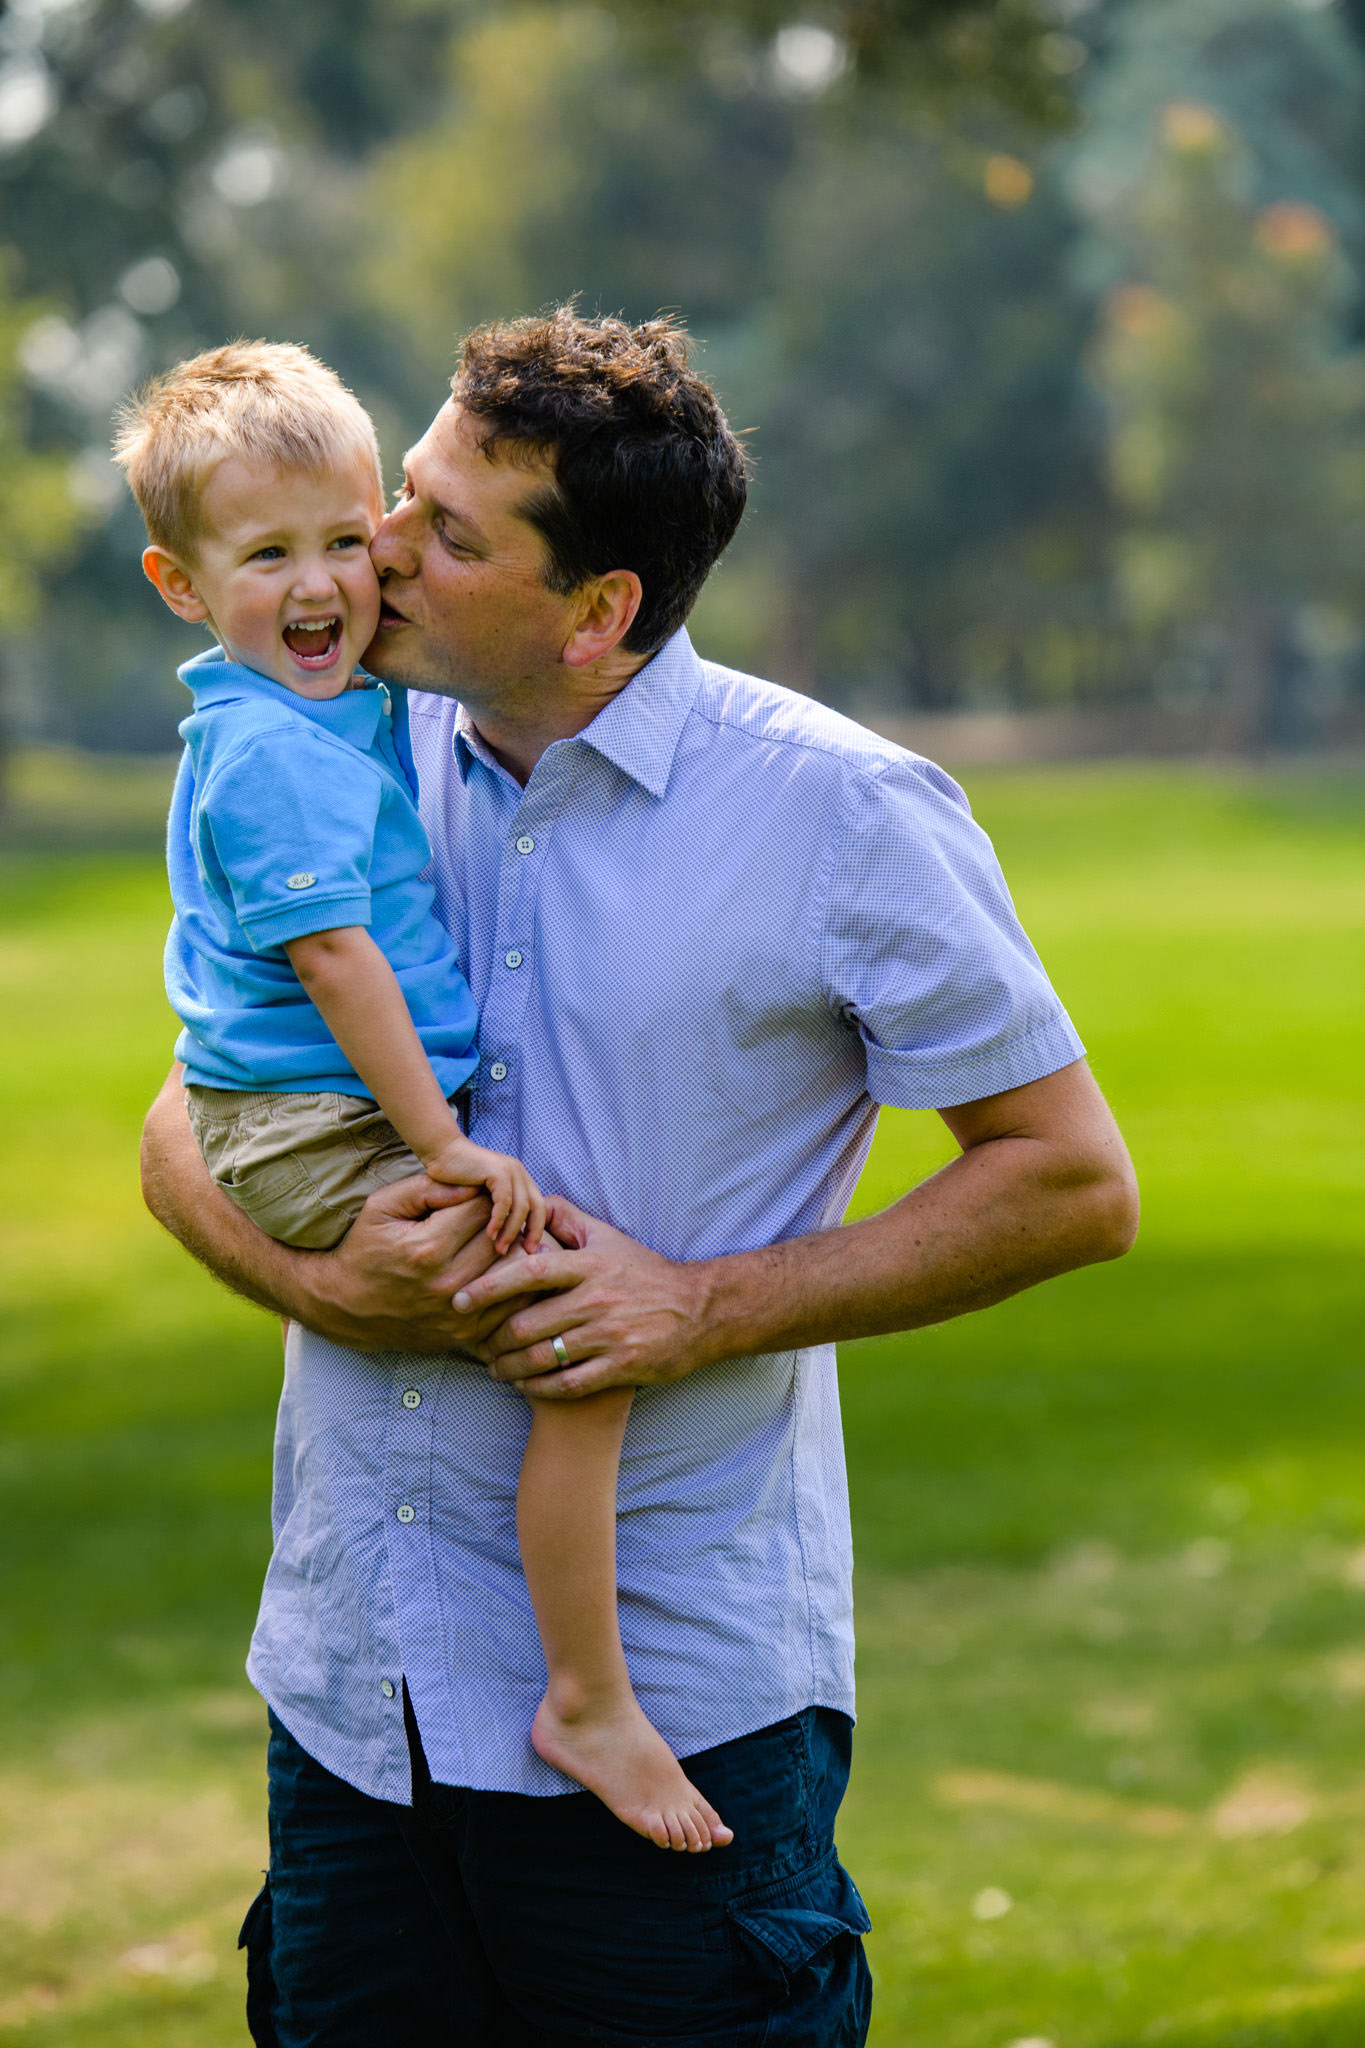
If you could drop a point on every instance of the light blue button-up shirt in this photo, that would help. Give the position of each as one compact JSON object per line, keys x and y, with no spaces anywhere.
{"x":713,"y":933}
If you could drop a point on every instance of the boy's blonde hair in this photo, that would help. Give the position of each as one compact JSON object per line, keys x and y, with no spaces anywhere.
{"x":270,"y":403}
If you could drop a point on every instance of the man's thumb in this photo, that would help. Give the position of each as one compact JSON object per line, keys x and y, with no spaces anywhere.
{"x":417,"y":1196}
{"x":566,"y":1224}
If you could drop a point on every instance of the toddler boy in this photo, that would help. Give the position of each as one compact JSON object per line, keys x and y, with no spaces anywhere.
{"x":327,"y":1028}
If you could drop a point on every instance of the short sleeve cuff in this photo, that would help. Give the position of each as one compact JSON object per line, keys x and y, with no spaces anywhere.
{"x":297,"y":920}
{"x":911,"y":1080}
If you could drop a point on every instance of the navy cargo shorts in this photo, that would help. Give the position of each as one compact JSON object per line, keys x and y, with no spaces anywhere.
{"x":494,"y":1920}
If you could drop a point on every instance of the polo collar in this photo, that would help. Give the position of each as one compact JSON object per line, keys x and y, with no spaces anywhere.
{"x":212,"y":678}
{"x":638,"y":731}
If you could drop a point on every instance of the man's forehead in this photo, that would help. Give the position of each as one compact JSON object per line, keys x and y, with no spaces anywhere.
{"x":455,"y":464}
{"x":461,"y":439}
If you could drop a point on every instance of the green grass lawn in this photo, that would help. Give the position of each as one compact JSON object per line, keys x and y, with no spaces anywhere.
{"x":1110,"y":1537}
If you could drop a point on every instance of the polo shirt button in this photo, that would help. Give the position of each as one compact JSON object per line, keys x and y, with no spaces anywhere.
{"x":386,"y":1687}
{"x":526,"y":844}
{"x":411,"y":1398}
{"x":498,"y":1071}
{"x":407,"y":1514}
{"x":512,"y":959}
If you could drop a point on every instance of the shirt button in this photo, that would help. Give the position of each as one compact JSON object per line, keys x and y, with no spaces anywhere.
{"x":498,"y":1071}
{"x":512,"y":959}
{"x":411,"y":1398}
{"x":386,"y":1687}
{"x":407,"y":1514}
{"x":526,"y":844}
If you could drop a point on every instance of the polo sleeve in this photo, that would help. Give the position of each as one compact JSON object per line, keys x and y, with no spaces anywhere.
{"x":291,"y":817}
{"x":924,"y":955}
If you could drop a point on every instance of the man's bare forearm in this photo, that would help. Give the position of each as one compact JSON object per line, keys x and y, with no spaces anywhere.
{"x":179,"y":1190}
{"x":1001,"y":1217}
{"x":1043,"y":1185}
{"x":387,"y":1286}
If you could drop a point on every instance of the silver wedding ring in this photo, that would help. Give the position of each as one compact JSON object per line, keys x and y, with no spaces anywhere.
{"x":560,"y":1349}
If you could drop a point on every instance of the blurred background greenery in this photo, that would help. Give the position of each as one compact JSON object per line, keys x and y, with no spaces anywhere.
{"x":1047,"y":323}
{"x":1045,"y":316}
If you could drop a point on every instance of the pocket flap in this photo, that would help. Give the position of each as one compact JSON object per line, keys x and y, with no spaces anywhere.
{"x":256,"y":1926}
{"x":789,"y":1922}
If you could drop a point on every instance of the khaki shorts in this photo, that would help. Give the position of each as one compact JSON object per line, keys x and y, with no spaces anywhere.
{"x":302,"y":1166}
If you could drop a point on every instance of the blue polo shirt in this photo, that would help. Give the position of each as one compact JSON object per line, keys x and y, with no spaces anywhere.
{"x":294,"y":815}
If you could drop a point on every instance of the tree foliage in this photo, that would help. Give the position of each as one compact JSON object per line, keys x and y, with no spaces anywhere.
{"x":915,"y":235}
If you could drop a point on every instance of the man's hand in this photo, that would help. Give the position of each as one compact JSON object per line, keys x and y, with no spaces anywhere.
{"x":387,"y":1286}
{"x":1043,"y":1185}
{"x":626,"y":1317}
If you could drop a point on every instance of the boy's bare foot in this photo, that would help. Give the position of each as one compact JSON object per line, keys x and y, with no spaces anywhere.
{"x":617,"y":1754}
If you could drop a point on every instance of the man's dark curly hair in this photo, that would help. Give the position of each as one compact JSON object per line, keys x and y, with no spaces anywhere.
{"x":648,"y":475}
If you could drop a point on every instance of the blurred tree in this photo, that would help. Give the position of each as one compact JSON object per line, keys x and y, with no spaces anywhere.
{"x":575,"y":173}
{"x":151,"y":152}
{"x":923,"y":442}
{"x":864,"y":206}
{"x":1287,"y":77}
{"x":38,"y":513}
{"x":1238,"y":452}
{"x":883,"y":294}
{"x":173,"y":170}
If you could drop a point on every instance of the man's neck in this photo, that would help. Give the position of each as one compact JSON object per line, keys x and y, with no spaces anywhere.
{"x":520,"y":724}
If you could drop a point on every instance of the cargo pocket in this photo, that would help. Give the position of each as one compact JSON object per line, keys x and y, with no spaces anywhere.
{"x":793,"y":1925}
{"x":255,"y":1938}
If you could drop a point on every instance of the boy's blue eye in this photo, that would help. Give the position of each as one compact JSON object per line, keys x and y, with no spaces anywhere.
{"x":266,"y":554}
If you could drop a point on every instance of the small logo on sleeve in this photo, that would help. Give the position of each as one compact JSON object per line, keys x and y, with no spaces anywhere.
{"x":300,"y":882}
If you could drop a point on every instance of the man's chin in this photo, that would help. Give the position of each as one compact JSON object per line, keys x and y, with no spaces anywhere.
{"x":383,"y":658}
{"x":394,"y":658}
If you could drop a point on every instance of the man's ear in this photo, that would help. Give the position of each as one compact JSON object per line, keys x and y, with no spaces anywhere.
{"x":606,"y":611}
{"x":173,"y":580}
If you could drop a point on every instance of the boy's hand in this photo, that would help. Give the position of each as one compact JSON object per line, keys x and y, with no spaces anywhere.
{"x":626,"y":1316}
{"x":518,"y":1204}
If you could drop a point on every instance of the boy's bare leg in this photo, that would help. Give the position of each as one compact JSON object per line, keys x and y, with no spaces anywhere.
{"x":590,"y":1724}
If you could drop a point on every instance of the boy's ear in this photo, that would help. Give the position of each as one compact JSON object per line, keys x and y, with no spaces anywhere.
{"x":173,"y":580}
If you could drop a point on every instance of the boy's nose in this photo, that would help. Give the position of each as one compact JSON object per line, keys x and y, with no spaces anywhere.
{"x":314,"y":580}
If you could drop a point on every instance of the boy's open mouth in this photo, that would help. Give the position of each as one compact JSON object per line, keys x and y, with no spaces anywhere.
{"x":313,"y":642}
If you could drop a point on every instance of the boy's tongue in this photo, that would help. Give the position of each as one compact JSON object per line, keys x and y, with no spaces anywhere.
{"x":310,"y":641}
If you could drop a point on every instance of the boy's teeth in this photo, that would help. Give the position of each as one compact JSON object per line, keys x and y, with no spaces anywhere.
{"x":309,"y":635}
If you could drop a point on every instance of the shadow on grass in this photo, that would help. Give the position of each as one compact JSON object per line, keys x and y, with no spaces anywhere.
{"x":1144,"y":1403}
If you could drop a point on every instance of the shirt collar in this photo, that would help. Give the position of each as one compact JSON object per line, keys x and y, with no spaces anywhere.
{"x":212,"y":678}
{"x":638,"y":731}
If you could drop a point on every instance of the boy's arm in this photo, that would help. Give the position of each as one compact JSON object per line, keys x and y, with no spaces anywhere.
{"x":348,"y":978}
{"x":362,"y":1005}
{"x":387,"y":1286}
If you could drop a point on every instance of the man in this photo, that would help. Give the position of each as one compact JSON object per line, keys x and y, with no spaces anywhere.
{"x":711,"y":926}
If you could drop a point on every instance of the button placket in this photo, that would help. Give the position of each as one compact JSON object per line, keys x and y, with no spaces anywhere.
{"x":406,"y":1496}
{"x":525,"y":851}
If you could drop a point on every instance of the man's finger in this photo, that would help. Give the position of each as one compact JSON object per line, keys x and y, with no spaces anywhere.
{"x":571,"y":1385}
{"x":543,"y":1272}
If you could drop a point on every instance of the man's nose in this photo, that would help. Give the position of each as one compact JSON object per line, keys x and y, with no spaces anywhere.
{"x":392,"y":545}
